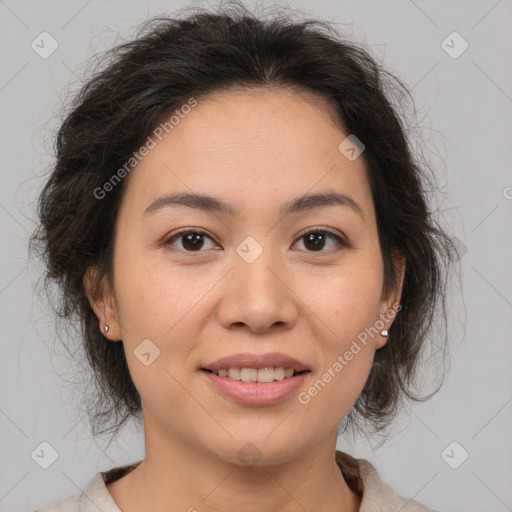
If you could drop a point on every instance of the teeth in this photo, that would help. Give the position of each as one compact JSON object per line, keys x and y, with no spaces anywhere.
{"x":280,"y":373}
{"x":248,"y":375}
{"x":234,"y":373}
{"x":256,"y":375}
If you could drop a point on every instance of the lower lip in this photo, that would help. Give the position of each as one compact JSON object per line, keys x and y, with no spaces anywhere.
{"x":256,"y":393}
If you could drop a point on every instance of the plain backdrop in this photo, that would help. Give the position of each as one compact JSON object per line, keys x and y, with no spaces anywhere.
{"x":464,"y":105}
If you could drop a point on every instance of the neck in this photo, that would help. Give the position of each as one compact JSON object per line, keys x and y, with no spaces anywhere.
{"x":182,"y":477}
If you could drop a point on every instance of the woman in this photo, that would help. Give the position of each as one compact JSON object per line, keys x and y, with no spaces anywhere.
{"x":237,"y":220}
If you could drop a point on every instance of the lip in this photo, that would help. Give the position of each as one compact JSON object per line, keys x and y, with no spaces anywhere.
{"x":245,"y":360}
{"x":255,"y":393}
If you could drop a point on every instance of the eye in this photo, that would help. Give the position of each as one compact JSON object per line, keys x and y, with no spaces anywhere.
{"x":192,"y":240}
{"x":316,"y":239}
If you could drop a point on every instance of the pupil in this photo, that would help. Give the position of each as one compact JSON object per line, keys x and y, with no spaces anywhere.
{"x":316,"y":244}
{"x":192,"y":238}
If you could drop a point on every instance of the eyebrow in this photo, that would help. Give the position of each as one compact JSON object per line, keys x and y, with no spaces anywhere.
{"x":211,"y":204}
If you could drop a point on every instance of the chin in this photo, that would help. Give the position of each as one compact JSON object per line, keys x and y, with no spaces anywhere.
{"x":257,"y":450}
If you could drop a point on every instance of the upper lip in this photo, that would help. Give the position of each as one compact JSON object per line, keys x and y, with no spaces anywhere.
{"x":244,"y":360}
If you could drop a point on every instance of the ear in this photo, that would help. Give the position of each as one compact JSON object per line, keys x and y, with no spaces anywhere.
{"x":102,"y":302}
{"x":390,"y":301}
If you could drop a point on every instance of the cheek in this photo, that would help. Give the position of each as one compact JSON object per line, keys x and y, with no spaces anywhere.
{"x":153,"y":298}
{"x":349,"y":310}
{"x":160,"y":325}
{"x":349,"y":301}
{"x":348,"y":306}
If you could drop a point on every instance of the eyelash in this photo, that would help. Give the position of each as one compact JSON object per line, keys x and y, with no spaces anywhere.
{"x":341,"y":242}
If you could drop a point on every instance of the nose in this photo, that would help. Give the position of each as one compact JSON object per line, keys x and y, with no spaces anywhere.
{"x":258,"y":296}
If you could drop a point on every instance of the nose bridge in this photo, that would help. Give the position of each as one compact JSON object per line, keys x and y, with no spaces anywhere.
{"x":256,"y":294}
{"x":256,"y":265}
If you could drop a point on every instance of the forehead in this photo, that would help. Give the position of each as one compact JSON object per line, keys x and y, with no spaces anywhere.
{"x":251,"y":145}
{"x":274,"y":117}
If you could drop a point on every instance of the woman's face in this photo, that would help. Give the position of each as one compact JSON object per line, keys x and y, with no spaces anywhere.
{"x":259,"y":277}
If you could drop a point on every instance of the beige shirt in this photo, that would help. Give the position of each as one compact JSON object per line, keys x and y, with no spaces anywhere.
{"x":359,"y":474}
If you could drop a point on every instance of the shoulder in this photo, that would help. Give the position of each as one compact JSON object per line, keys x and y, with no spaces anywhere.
{"x":95,"y":496}
{"x":69,"y":504}
{"x":362,"y":477}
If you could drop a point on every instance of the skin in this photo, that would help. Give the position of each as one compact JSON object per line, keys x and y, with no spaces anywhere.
{"x":255,"y":150}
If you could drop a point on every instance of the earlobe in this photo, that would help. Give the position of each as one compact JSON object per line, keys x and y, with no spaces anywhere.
{"x":102,"y":303}
{"x":395,"y":294}
{"x":391,"y":303}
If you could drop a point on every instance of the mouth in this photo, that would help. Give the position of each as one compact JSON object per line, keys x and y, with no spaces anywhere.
{"x":266,"y":386}
{"x":260,"y":375}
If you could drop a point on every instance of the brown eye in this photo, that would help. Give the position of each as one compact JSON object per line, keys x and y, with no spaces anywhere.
{"x":192,"y":240}
{"x":316,"y":240}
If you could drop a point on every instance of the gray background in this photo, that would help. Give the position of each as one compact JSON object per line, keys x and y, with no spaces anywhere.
{"x":464,"y":108}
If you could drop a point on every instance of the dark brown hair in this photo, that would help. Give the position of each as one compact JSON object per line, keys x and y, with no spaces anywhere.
{"x":142,"y":82}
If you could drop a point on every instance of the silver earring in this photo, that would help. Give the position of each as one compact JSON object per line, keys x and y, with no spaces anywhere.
{"x":384,"y":333}
{"x":106,"y":328}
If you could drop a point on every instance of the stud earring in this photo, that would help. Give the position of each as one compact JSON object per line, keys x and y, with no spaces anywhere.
{"x":384,"y":333}
{"x":106,"y":328}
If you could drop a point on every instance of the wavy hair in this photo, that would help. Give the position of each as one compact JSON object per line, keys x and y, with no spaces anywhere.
{"x":141,"y":82}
